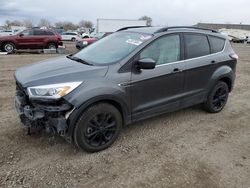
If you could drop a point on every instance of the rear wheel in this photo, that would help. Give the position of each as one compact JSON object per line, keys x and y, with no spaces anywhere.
{"x":73,"y":39}
{"x":51,"y":45}
{"x":98,"y":127}
{"x":217,"y":98}
{"x":9,"y":47}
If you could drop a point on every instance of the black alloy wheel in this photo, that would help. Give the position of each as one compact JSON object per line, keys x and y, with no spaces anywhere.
{"x":217,"y":98}
{"x":98,"y":127}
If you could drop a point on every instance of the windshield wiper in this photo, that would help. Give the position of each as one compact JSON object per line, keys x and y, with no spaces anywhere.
{"x":78,"y":60}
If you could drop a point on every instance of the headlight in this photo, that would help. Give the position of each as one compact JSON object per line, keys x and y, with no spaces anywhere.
{"x":85,"y":43}
{"x":53,"y":91}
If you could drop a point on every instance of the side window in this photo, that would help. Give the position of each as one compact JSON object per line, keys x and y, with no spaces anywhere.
{"x":39,"y":32}
{"x":164,"y":50}
{"x":217,"y":44}
{"x":27,"y":32}
{"x":196,"y":45}
{"x":48,"y":33}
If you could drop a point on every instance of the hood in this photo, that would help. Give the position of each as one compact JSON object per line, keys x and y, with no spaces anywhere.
{"x":57,"y":70}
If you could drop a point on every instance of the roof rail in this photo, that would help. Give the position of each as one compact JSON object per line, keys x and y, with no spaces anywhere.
{"x":130,"y":27}
{"x":185,"y":27}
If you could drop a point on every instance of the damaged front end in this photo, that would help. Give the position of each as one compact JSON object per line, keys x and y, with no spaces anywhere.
{"x":42,"y":114}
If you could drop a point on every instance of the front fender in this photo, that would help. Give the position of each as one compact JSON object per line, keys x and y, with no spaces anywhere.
{"x":82,"y":100}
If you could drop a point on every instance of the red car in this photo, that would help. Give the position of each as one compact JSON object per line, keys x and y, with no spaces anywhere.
{"x":30,"y":39}
{"x":80,"y":44}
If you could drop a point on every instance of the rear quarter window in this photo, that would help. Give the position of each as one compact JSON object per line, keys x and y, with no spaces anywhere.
{"x":196,"y":45}
{"x":217,"y":44}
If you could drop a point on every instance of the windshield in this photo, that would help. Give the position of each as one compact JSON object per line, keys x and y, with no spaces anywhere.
{"x":112,"y":48}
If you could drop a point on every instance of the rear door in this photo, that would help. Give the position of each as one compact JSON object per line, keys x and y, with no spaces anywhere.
{"x":158,"y":90}
{"x":39,"y":37}
{"x":201,"y":60}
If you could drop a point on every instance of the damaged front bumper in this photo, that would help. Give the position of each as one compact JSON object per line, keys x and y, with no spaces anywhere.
{"x":43,"y":114}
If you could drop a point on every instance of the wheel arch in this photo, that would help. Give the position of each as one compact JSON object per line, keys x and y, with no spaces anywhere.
{"x":75,"y":115}
{"x":228,"y":81}
{"x":225,"y":74}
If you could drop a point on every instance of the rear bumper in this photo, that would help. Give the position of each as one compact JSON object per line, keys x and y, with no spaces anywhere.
{"x":60,"y":43}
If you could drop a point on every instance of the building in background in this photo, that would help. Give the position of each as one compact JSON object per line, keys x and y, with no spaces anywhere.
{"x":223,"y":26}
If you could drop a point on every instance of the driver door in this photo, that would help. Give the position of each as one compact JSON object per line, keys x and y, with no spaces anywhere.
{"x":26,"y":39}
{"x":158,"y":90}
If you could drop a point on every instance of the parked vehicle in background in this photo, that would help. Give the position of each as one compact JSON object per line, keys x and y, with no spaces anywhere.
{"x":85,"y":35}
{"x":70,"y":36}
{"x":59,"y":30}
{"x":131,"y":75}
{"x":112,"y":25}
{"x":80,"y":44}
{"x":247,"y":40}
{"x":7,"y":32}
{"x":30,"y":39}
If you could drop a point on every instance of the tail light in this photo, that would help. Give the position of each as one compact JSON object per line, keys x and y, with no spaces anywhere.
{"x":59,"y":37}
{"x":234,"y":56}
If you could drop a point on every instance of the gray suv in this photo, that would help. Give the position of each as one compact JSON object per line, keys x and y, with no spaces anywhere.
{"x":130,"y":75}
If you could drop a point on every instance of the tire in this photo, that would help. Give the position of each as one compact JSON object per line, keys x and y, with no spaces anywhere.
{"x":217,"y":98}
{"x":9,"y":47}
{"x":73,"y":39}
{"x":98,"y":127}
{"x":51,"y":45}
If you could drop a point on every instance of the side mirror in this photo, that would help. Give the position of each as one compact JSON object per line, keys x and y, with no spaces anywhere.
{"x":21,"y":35}
{"x":146,"y":63}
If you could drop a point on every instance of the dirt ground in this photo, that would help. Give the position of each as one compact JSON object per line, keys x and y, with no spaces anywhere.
{"x":188,"y":148}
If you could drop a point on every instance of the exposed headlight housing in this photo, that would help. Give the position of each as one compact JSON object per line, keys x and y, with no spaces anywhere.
{"x":53,"y":91}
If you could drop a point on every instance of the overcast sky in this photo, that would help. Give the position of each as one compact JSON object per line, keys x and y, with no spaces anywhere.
{"x":163,"y":12}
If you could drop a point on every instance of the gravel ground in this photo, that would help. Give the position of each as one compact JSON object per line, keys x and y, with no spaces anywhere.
{"x":188,"y":148}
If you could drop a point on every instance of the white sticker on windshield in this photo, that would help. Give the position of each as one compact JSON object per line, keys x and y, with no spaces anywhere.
{"x":145,"y":37}
{"x":134,"y":42}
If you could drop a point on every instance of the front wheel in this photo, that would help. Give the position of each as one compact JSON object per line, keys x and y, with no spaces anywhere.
{"x":217,"y":98}
{"x":9,"y":47}
{"x":98,"y":127}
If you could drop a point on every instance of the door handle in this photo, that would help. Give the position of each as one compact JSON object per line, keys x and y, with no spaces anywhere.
{"x":176,"y":70}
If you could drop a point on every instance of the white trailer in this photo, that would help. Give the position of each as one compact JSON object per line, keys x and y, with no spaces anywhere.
{"x":112,"y":25}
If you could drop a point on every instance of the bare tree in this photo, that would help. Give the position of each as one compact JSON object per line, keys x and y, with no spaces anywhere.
{"x":59,"y":24}
{"x":27,"y":23}
{"x":148,"y":20}
{"x":85,"y":24}
{"x":66,"y":25}
{"x":16,"y":23}
{"x":7,"y":24}
{"x":44,"y":23}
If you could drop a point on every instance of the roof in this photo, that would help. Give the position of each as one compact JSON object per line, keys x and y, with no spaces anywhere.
{"x":155,"y":30}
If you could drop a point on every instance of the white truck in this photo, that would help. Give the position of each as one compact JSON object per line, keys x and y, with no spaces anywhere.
{"x":112,"y":25}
